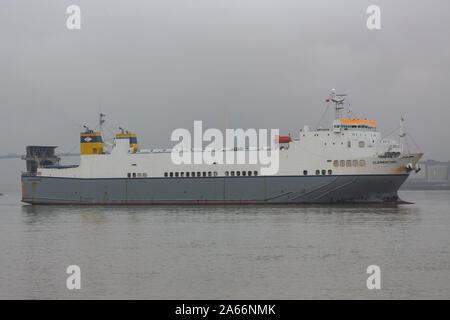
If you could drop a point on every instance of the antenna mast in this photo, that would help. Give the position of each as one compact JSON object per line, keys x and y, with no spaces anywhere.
{"x":101,"y":121}
{"x":402,"y":134}
{"x":338,"y":100}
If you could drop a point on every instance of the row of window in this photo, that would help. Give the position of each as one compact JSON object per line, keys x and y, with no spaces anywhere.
{"x":318,"y":172}
{"x":361,"y":144}
{"x":209,"y":174}
{"x":137,"y":175}
{"x":239,"y":173}
{"x":336,"y":163}
{"x":349,"y":163}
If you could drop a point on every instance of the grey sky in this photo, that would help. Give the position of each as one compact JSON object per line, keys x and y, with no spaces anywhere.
{"x":153,"y":66}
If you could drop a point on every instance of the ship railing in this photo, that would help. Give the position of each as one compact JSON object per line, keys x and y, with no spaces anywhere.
{"x":146,"y":151}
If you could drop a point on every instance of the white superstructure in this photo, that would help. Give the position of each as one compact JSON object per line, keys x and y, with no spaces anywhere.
{"x":349,"y":147}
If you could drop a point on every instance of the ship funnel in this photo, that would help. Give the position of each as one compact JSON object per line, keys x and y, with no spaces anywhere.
{"x":132,"y":138}
{"x":91,"y":142}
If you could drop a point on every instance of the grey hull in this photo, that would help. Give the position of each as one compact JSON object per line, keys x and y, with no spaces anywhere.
{"x":214,"y":190}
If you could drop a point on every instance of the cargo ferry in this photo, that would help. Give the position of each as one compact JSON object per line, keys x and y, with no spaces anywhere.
{"x":350,"y":162}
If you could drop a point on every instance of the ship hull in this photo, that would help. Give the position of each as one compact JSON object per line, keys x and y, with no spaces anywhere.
{"x":258,"y":190}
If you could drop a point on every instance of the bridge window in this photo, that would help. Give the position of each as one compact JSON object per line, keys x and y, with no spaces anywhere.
{"x":199,"y":174}
{"x":348,"y":163}
{"x":204,"y":173}
{"x":232,"y":173}
{"x":181,"y":174}
{"x":255,"y":173}
{"x":244,"y":173}
{"x":355,"y":163}
{"x":187,"y":174}
{"x":342,"y":163}
{"x":330,"y":171}
{"x":226,"y":173}
{"x":171,"y":174}
{"x":361,"y":144}
{"x":129,"y":175}
{"x":176,"y":174}
{"x":324,"y":172}
{"x":134,"y":174}
{"x":317,"y":172}
{"x":336,"y":163}
{"x":305,"y":172}
{"x":209,"y":174}
{"x":249,"y":173}
{"x":362,"y":163}
{"x":238,"y":173}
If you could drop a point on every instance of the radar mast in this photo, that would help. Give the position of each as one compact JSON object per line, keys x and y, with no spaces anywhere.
{"x":338,"y":100}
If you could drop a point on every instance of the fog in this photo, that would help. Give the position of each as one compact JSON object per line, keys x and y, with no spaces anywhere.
{"x":154,"y":66}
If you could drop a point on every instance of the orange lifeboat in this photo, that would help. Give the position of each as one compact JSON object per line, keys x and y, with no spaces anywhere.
{"x":283,"y":139}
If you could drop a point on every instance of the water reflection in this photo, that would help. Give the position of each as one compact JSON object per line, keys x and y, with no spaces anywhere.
{"x":329,"y":213}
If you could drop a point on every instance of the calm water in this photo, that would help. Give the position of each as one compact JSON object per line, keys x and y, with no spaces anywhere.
{"x":227,"y":252}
